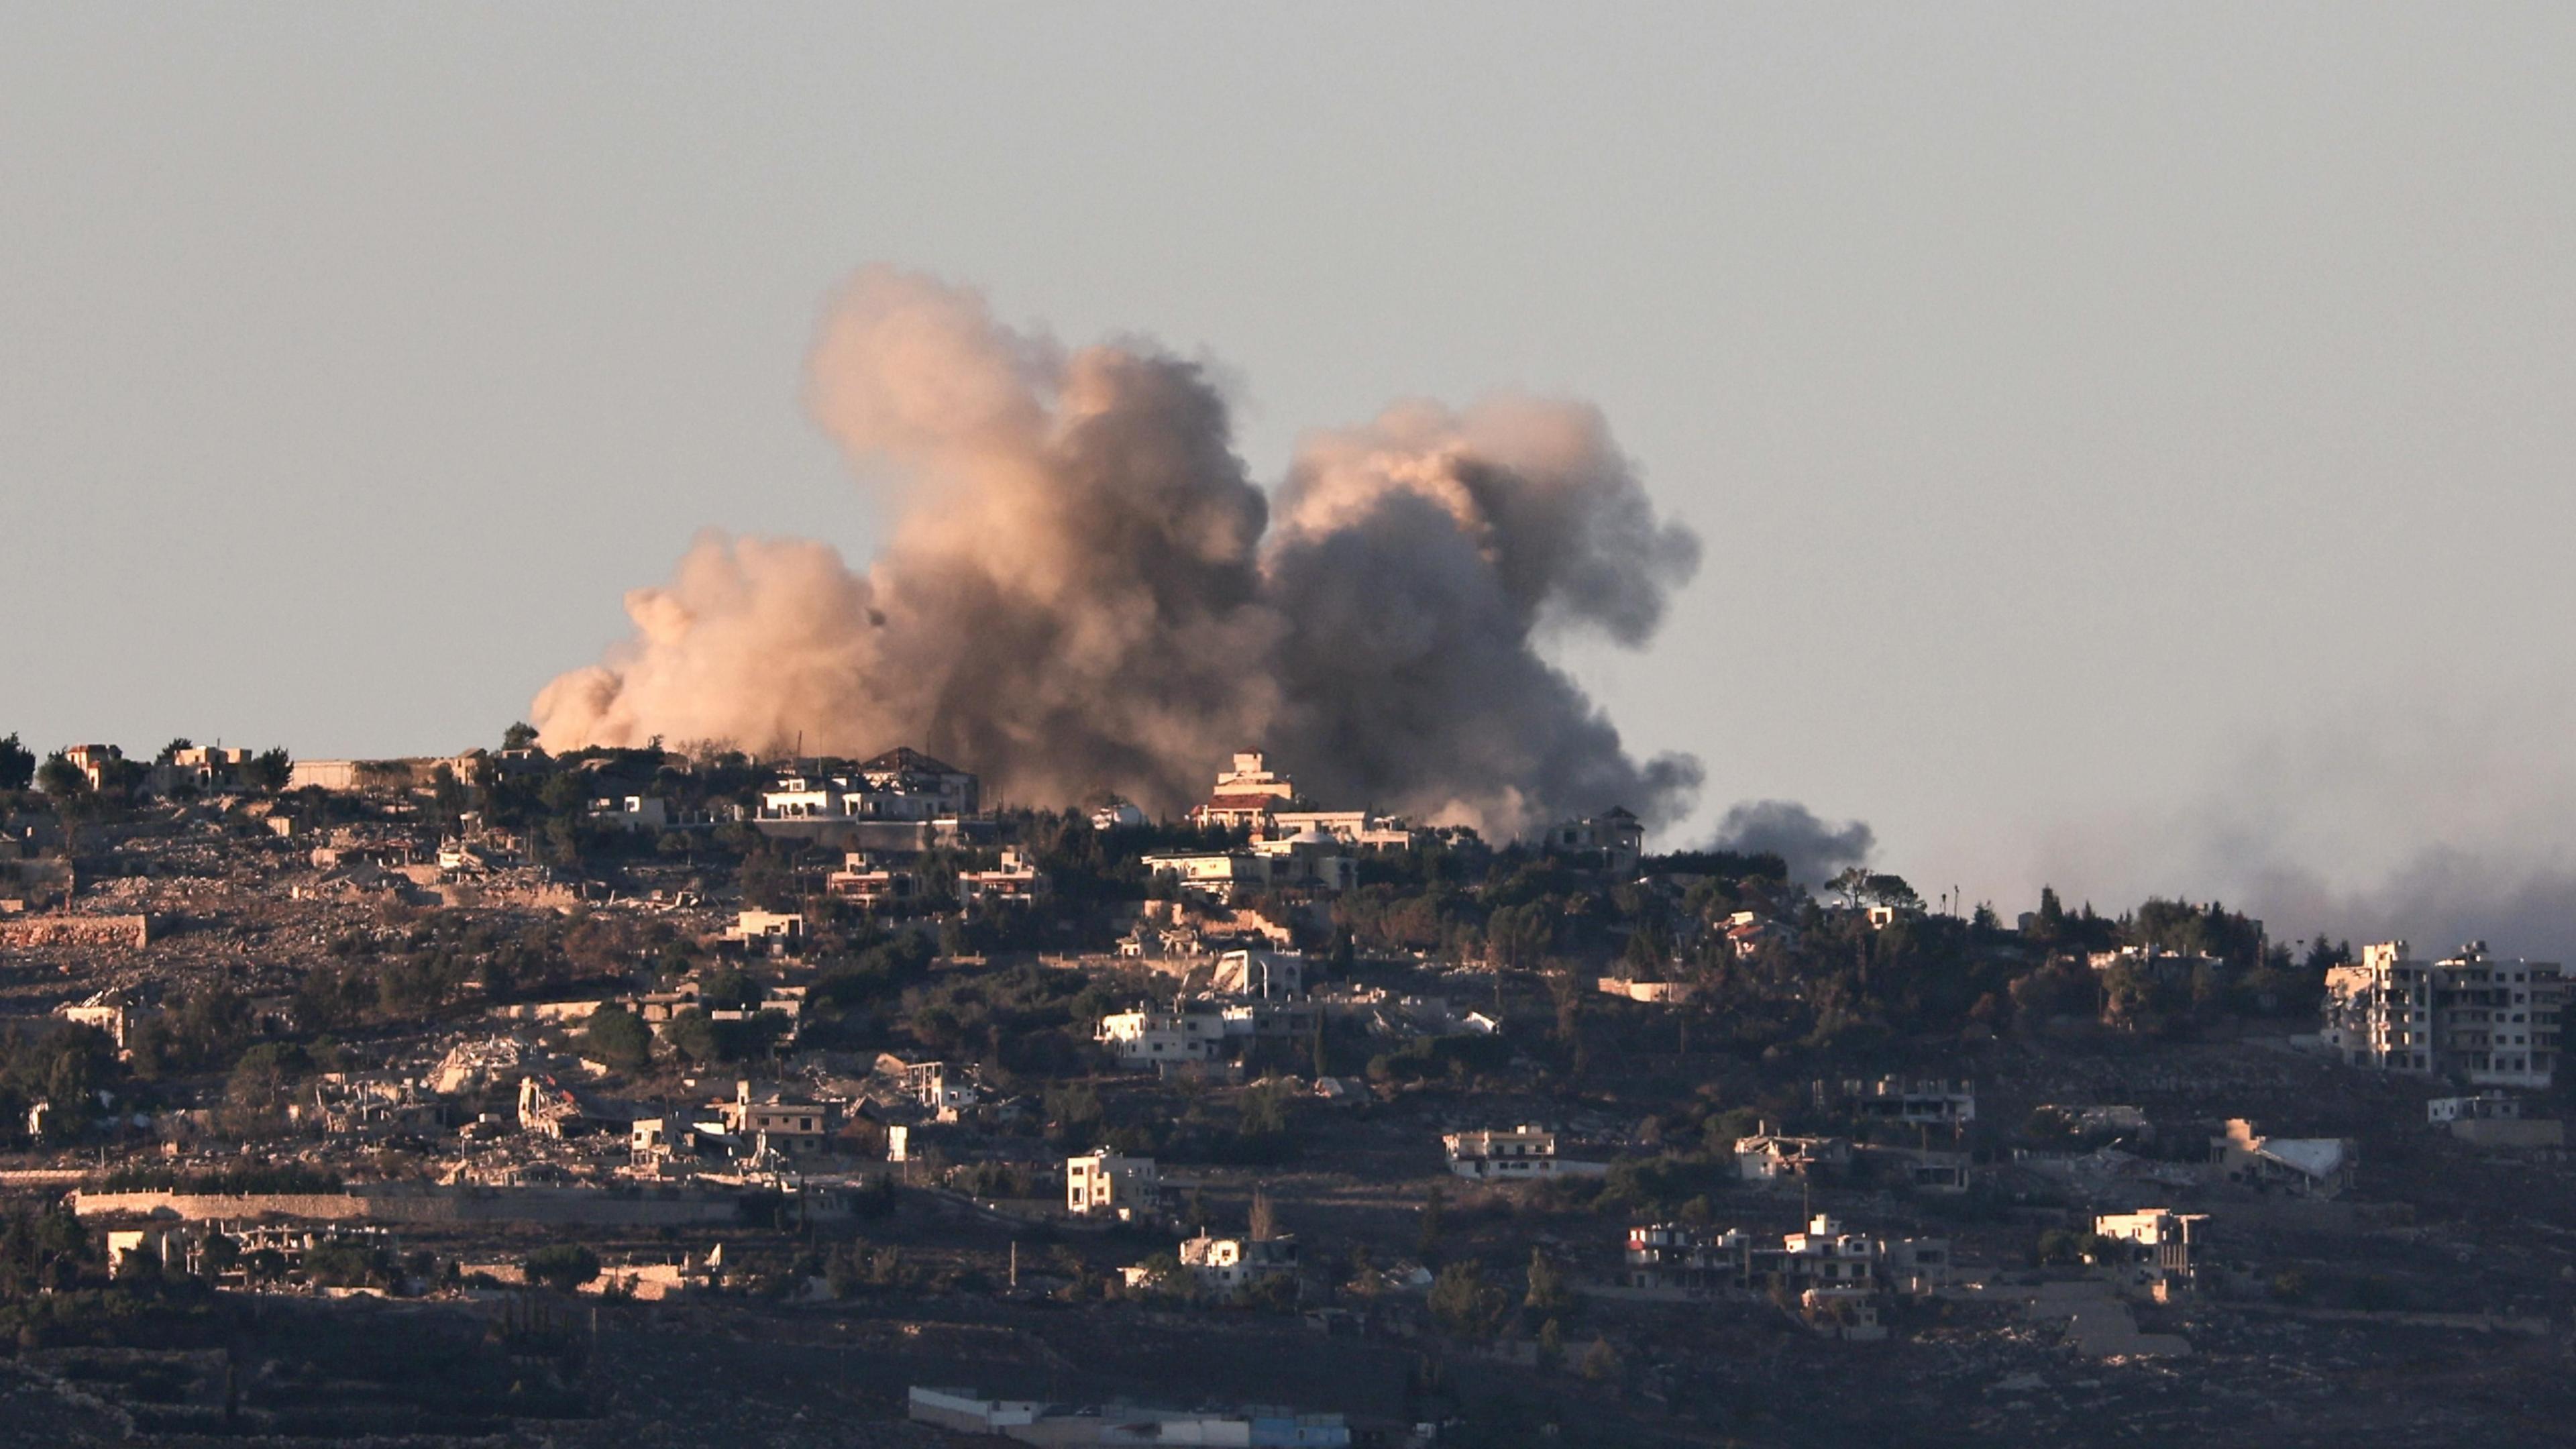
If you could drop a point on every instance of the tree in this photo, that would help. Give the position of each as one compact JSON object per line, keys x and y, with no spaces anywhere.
{"x":1551,"y":1344}
{"x":345,"y":1264}
{"x":562,"y":1266}
{"x":1466,"y":1305}
{"x":1264,"y":1221}
{"x":448,"y":796}
{"x":520,"y":736}
{"x":222,"y":1252}
{"x":619,"y":1038}
{"x":170,"y":752}
{"x":691,"y":1034}
{"x":1434,"y":1215}
{"x":17,"y":764}
{"x":1547,"y":1291}
{"x":60,"y":778}
{"x":269,"y":770}
{"x":260,"y":1080}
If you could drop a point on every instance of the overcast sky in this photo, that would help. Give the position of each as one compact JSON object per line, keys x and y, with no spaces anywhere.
{"x":2133,"y":444}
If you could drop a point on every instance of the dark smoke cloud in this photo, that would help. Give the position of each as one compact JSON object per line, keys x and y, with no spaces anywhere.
{"x":1816,"y":851}
{"x":1085,"y":590}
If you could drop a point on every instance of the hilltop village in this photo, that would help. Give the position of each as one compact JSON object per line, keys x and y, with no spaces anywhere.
{"x":672,"y":1096}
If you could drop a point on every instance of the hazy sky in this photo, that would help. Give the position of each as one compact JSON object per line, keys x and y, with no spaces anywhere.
{"x":2133,"y":444}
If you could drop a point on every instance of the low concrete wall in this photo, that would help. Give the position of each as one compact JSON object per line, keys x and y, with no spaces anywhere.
{"x":598,"y":1207}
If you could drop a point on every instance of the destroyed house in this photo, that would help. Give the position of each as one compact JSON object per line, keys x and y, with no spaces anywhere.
{"x":1615,"y":836}
{"x":2155,"y":1248}
{"x":797,"y":1128}
{"x":1225,"y":1264}
{"x":1930,"y":1103}
{"x":1824,"y":1258}
{"x":2306,"y":1166}
{"x":1771,"y":1157}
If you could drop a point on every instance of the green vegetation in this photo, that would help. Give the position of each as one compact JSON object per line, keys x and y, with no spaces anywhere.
{"x":562,"y":1266}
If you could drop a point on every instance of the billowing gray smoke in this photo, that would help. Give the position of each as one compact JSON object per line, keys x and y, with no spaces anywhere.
{"x":1084,"y":591}
{"x":1815,"y":851}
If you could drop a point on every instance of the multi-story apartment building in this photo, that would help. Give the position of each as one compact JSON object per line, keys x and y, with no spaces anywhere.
{"x":2484,"y":1021}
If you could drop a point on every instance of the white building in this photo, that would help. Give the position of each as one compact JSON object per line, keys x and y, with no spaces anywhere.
{"x":2484,"y":1021}
{"x":868,"y":880}
{"x":1102,"y":1183}
{"x":632,"y":812}
{"x":766,"y":926}
{"x":1151,"y":1037}
{"x":1222,"y":1265}
{"x":2157,"y":1248}
{"x":1017,"y":881}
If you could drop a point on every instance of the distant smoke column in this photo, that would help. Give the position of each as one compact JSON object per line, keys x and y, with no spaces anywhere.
{"x":1078,"y":594}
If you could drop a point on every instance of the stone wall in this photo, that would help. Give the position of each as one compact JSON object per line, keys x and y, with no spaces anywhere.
{"x":29,"y":932}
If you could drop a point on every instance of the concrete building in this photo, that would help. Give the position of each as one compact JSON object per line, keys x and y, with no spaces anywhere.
{"x":1771,"y":1158}
{"x":1152,"y":1037}
{"x":940,"y":1087}
{"x":869,"y":880}
{"x":1267,"y":974}
{"x":2494,"y":1120}
{"x":2307,"y":1166}
{"x":93,"y":761}
{"x":2157,"y":1249}
{"x":2472,"y":1017}
{"x":1222,"y":1265}
{"x":790,"y":1126}
{"x":1245,"y":797}
{"x":1616,"y":836}
{"x":322,"y":774}
{"x":903,"y":784}
{"x":752,"y":925}
{"x":1104,"y":1184}
{"x":1512,"y":1154}
{"x":1015,"y":882}
{"x":1927,"y":1103}
{"x":113,"y":1011}
{"x":632,"y":812}
{"x":1824,"y":1259}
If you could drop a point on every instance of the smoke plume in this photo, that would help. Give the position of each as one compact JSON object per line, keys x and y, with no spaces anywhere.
{"x":2437,"y":823}
{"x":1816,"y":852}
{"x":1084,"y":590}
